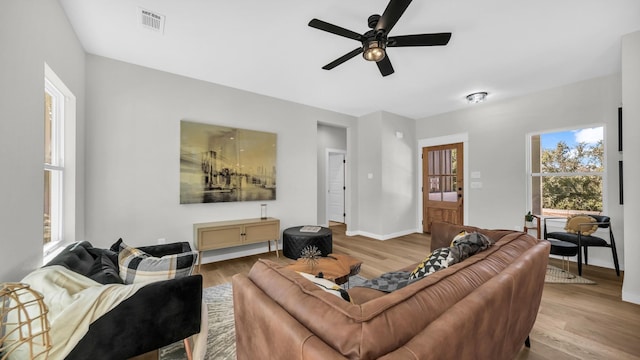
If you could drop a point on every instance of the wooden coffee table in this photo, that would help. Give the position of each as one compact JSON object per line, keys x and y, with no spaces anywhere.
{"x":335,"y":267}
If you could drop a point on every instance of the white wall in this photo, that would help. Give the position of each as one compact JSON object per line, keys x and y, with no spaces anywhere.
{"x":386,"y":176}
{"x":133,"y":142}
{"x":32,"y":33}
{"x":497,"y":137}
{"x":329,"y":137}
{"x":631,"y":151}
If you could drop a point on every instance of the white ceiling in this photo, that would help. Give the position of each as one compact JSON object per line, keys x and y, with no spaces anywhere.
{"x":505,"y":47}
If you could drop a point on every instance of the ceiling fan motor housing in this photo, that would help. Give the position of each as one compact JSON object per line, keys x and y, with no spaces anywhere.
{"x":373,"y":20}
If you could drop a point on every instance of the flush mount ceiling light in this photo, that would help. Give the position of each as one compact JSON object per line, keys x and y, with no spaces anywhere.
{"x":477,"y":97}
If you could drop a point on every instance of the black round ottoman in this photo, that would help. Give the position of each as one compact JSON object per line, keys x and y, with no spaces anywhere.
{"x":294,"y":240}
{"x":563,"y":248}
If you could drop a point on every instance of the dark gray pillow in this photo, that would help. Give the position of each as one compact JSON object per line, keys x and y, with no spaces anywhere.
{"x":465,"y":246}
{"x":104,"y":270}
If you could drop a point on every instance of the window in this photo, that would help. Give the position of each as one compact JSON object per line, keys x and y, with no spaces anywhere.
{"x":443,"y":178}
{"x":567,"y":169}
{"x":53,"y":162}
{"x":59,"y":163}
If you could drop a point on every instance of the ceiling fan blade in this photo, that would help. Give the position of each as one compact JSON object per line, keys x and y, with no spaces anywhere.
{"x":334,"y":29}
{"x":438,"y":39}
{"x":384,"y":66}
{"x":392,"y":14}
{"x":343,"y":58}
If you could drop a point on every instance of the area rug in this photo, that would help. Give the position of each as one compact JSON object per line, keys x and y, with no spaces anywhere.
{"x":221,"y":339}
{"x":556,"y":275}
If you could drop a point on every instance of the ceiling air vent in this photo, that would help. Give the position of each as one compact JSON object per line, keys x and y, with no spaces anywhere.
{"x":151,"y":20}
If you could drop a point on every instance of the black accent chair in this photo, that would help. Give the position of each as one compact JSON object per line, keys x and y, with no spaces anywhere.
{"x":585,"y":241}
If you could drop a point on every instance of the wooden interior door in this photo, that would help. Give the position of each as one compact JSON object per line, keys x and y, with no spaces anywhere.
{"x":442,"y":184}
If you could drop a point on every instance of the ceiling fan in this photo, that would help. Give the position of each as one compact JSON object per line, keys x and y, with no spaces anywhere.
{"x":376,"y":41}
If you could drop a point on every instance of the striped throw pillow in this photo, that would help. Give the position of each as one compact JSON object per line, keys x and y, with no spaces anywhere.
{"x":137,"y":266}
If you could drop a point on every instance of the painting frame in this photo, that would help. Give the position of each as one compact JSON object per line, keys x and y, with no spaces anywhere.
{"x":226,"y":164}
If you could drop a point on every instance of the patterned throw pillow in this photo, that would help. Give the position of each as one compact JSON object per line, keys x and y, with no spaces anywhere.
{"x":389,"y":282}
{"x":470,"y":244}
{"x":328,"y":286}
{"x":137,"y":266}
{"x":437,"y":260}
{"x":573,"y":222}
{"x":460,"y":235}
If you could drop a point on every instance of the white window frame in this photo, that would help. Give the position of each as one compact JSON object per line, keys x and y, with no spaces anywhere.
{"x":63,"y":161}
{"x":603,"y":174}
{"x":56,"y":167}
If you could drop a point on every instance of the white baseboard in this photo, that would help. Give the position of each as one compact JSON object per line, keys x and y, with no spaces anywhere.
{"x":238,"y":251}
{"x":631,"y":297}
{"x":593,"y":261}
{"x":378,"y":236}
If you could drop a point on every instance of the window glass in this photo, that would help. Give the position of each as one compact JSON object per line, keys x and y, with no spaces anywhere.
{"x":53,"y":170}
{"x":442,"y":175}
{"x":566,"y":172}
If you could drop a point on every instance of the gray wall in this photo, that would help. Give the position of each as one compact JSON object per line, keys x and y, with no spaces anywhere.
{"x":631,"y":151}
{"x":329,"y":137}
{"x":369,"y":176}
{"x":133,"y":142}
{"x":497,"y":136}
{"x":386,"y":176}
{"x":32,"y":33}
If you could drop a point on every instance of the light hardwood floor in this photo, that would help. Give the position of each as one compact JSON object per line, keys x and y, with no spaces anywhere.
{"x":574,"y":321}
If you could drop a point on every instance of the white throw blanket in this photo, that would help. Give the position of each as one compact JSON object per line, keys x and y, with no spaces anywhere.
{"x":74,"y":302}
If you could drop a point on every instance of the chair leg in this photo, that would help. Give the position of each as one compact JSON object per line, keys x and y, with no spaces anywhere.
{"x":586,"y":255}
{"x":527,"y":342}
{"x":614,"y":252}
{"x":187,"y":349}
{"x":615,"y":260}
{"x":579,"y":262}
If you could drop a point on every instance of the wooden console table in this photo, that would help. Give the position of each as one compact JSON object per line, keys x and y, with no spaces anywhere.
{"x":226,"y":234}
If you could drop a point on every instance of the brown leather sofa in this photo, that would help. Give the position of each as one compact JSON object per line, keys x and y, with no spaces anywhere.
{"x":481,"y":308}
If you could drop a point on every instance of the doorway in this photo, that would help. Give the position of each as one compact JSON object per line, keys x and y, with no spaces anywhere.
{"x":336,"y":163}
{"x":442,"y":184}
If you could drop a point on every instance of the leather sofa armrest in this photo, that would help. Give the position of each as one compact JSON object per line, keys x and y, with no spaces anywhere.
{"x":157,"y":315}
{"x":266,"y":331}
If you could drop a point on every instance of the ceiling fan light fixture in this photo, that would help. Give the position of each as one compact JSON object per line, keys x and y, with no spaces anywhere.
{"x":477,"y":97}
{"x":374,"y":50}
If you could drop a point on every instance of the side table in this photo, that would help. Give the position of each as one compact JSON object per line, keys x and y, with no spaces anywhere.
{"x":294,"y":241}
{"x":335,"y":267}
